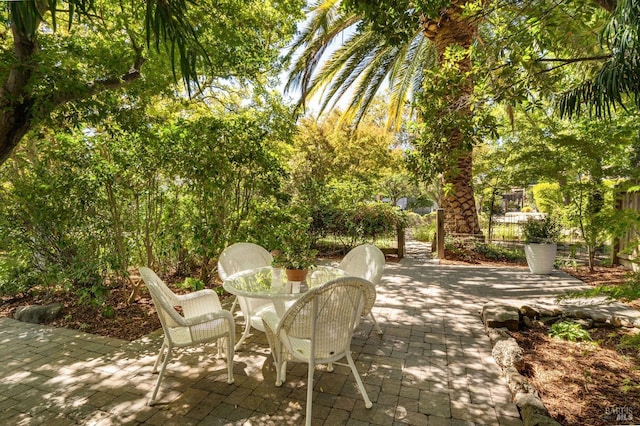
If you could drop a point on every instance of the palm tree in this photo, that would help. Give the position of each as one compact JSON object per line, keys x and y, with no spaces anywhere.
{"x":365,"y":58}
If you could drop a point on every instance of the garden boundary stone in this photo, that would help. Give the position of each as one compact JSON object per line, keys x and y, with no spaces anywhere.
{"x":509,"y":357}
{"x":38,"y":314}
{"x":498,"y":316}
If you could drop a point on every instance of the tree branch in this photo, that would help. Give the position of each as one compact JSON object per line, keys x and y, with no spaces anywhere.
{"x":573,"y":60}
{"x":98,"y":86}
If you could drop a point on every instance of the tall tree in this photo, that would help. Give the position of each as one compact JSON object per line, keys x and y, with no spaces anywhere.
{"x":55,"y":52}
{"x":399,"y":40}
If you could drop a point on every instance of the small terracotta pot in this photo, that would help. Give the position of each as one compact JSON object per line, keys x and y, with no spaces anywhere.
{"x":296,"y":274}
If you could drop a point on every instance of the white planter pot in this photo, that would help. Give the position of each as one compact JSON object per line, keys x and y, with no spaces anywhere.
{"x":540,"y":257}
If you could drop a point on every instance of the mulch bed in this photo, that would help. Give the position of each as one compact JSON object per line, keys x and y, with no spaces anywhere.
{"x":584,"y":383}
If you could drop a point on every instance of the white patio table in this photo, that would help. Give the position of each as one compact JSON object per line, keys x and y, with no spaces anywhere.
{"x":272,"y":284}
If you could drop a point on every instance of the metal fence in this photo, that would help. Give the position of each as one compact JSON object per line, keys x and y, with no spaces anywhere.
{"x":506,"y":231}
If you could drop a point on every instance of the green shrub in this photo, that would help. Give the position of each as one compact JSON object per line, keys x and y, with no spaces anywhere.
{"x":425,"y":233}
{"x":629,"y":341}
{"x":542,"y":231}
{"x":362,"y":222}
{"x":192,"y":284}
{"x":547,"y":196}
{"x":568,"y":330}
{"x":627,"y":291}
{"x":499,"y":253}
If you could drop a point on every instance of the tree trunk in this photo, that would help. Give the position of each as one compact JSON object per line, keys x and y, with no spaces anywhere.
{"x":15,"y":103}
{"x":452,"y":29}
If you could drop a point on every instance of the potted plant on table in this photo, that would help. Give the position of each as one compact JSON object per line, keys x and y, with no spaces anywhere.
{"x":540,"y":238}
{"x":296,"y":263}
{"x":295,"y":255}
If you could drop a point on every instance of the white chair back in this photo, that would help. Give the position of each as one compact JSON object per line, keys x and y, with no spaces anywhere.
{"x":242,"y":256}
{"x":364,"y":261}
{"x":318,"y":329}
{"x":327,"y":316}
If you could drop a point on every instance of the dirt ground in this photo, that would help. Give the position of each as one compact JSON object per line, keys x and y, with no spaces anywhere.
{"x":587,"y":383}
{"x":595,"y":383}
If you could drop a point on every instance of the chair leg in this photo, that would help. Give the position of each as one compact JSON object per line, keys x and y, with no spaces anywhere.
{"x":281,"y":371}
{"x":375,"y":323}
{"x":152,"y":400}
{"x":233,"y":305}
{"x":155,"y":365}
{"x":356,"y":375}
{"x":310,"y":372}
{"x":230,"y":354}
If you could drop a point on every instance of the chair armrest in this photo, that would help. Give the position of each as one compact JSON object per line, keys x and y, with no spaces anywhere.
{"x":211,"y":316}
{"x":207,"y":292}
{"x":199,"y":303}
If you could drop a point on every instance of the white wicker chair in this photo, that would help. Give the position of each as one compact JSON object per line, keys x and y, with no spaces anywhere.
{"x":202,"y":321}
{"x":240,"y":257}
{"x":365,"y":261}
{"x":318,"y":329}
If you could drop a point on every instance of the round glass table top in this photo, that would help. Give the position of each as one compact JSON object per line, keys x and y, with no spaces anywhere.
{"x":271,"y":283}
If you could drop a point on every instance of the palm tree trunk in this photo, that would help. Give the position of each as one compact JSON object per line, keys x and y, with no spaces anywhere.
{"x":452,"y":29}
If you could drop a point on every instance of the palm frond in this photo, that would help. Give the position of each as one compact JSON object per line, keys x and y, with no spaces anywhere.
{"x":618,"y":79}
{"x":324,"y":26}
{"x":27,"y":15}
{"x":360,"y":66}
{"x":407,"y":77}
{"x":167,"y":23}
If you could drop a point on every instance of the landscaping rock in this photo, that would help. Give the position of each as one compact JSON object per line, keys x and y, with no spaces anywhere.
{"x":517,"y":382}
{"x":549,"y":311}
{"x":533,"y":411}
{"x":529,"y":311}
{"x":496,"y":334}
{"x":550,"y":320}
{"x":38,"y":314}
{"x":598,"y":317}
{"x":497,"y":316}
{"x":577,"y":313}
{"x":585,"y":323}
{"x":528,"y":322}
{"x":507,"y":354}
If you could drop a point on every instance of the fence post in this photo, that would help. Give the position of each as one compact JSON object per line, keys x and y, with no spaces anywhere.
{"x":616,"y":242}
{"x":440,"y":233}
{"x":400,"y":231}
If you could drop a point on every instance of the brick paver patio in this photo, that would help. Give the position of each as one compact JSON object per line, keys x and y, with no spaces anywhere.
{"x":432,"y":365}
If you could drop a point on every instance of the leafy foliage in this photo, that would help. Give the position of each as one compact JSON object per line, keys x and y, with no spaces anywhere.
{"x":295,"y":241}
{"x":191,"y":284}
{"x":547,"y":196}
{"x":568,"y":330}
{"x":618,"y":77}
{"x":159,"y":190}
{"x":499,"y":253}
{"x":627,"y":291}
{"x":541,"y":231}
{"x":105,"y":46}
{"x":362,"y":63}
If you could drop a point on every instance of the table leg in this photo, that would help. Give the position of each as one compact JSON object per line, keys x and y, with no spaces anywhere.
{"x":245,"y":307}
